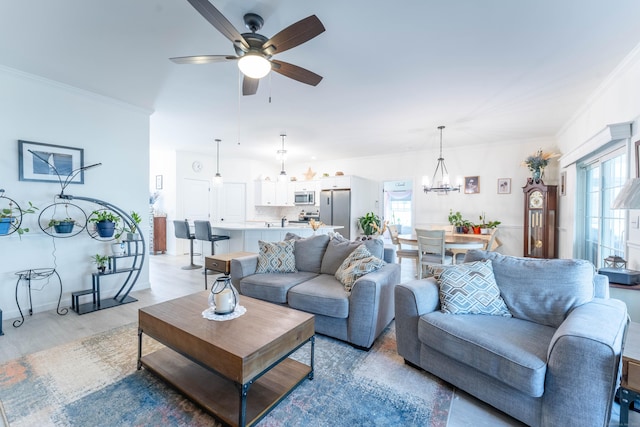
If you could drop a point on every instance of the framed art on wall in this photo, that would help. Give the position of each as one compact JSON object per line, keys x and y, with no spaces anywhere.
{"x":504,"y":185}
{"x":49,"y":163}
{"x":471,"y":184}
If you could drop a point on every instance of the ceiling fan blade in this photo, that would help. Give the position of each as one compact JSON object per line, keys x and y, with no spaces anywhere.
{"x":296,"y":73}
{"x":249,"y":86}
{"x":294,"y":35}
{"x":217,"y":19}
{"x":202,"y":59}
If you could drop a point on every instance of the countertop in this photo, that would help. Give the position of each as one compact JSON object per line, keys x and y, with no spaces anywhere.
{"x":261,"y":225}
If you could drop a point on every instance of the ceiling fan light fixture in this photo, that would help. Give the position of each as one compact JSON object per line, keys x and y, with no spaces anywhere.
{"x":254,"y":65}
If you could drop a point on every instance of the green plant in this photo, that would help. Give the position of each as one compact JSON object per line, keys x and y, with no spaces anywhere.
{"x":100,"y":260}
{"x":456,"y":219}
{"x":14,"y":211}
{"x":103,"y":215}
{"x":137,"y":219}
{"x":370,"y":224}
{"x":485,"y":224}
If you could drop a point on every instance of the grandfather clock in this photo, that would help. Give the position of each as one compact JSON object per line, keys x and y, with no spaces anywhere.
{"x":540,"y":219}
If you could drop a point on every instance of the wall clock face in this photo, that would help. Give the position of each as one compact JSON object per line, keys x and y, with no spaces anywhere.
{"x":196,"y":166}
{"x":535,"y":200}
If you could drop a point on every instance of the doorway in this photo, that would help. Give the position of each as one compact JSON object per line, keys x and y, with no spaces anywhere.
{"x":398,"y":204}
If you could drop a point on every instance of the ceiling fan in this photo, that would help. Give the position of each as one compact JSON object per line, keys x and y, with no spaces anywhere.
{"x":254,"y":51}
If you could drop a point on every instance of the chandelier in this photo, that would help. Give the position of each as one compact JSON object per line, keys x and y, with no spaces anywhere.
{"x":217,"y":178}
{"x":282,"y":154}
{"x":441,"y":185}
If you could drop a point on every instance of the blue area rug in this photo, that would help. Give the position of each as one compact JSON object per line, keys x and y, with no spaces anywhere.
{"x":94,"y":382}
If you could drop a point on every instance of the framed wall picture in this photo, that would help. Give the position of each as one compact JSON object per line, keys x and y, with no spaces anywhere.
{"x":471,"y":184}
{"x":49,"y":163}
{"x":504,"y":185}
{"x":158,"y":182}
{"x":563,"y":183}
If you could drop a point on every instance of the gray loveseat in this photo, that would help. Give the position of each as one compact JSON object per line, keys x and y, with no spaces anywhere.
{"x":357,"y":317}
{"x":554,"y":362}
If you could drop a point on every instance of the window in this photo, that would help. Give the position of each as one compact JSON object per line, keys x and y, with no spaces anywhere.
{"x":603,"y":229}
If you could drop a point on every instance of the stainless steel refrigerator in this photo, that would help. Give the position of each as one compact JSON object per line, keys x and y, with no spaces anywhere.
{"x":335,"y":209}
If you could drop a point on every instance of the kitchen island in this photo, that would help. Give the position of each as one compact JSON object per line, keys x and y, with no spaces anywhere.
{"x":243,"y":237}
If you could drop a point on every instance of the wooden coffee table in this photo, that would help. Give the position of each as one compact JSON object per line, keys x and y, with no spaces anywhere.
{"x":236,"y":369}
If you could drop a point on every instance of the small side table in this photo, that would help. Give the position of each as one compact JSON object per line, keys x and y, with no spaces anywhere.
{"x":221,"y":263}
{"x":629,"y":389}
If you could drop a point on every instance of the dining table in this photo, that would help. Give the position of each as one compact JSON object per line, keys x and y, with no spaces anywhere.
{"x":455,"y":243}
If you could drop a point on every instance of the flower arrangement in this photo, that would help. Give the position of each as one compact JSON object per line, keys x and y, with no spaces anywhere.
{"x":315,"y":224}
{"x":539,"y":160}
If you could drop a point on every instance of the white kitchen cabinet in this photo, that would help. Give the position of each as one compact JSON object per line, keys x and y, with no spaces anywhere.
{"x":265,"y":193}
{"x":313,"y":185}
{"x":335,"y":183}
{"x":284,"y":196}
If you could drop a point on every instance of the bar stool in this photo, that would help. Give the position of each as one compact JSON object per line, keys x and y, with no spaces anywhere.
{"x":182,"y":232}
{"x":203,"y":232}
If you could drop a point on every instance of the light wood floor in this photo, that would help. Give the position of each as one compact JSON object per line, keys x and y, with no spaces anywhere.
{"x":168,"y":281}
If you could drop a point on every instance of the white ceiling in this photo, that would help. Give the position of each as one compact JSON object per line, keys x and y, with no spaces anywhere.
{"x":489,"y":70}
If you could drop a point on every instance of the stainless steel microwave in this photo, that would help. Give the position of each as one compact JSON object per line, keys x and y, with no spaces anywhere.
{"x":304,"y":198}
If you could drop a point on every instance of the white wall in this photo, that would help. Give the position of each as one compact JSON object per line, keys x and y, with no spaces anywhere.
{"x":110,"y":132}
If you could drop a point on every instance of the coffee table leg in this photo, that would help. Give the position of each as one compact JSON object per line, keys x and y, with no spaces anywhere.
{"x":244,"y":389}
{"x":139,"y":348}
{"x":313,"y":347}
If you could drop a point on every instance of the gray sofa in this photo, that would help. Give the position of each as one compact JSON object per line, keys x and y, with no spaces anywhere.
{"x":357,"y":317}
{"x":554,"y":362}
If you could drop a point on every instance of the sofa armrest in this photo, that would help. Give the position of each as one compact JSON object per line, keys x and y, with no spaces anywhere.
{"x":412,"y":300}
{"x":371,"y":305}
{"x":583,"y":364}
{"x":242,"y":267}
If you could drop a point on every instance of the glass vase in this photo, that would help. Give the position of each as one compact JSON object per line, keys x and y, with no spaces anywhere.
{"x":224,"y":296}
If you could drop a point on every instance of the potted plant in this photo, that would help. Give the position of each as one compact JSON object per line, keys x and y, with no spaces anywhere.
{"x":370,"y":224}
{"x":486,"y":226}
{"x":100,"y":261}
{"x":134,"y":225}
{"x":9,"y":218}
{"x":62,"y":226}
{"x":457,"y":221}
{"x":105,"y":222}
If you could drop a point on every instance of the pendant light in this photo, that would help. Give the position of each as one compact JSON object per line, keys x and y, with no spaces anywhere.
{"x":217,"y":179}
{"x":442,"y":185}
{"x":282,"y":154}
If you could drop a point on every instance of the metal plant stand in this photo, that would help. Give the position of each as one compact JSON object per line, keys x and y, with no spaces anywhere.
{"x":36,"y":274}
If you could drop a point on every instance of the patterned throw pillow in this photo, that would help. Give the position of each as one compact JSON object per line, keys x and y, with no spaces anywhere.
{"x":356,"y":265}
{"x":471,"y":288}
{"x":276,"y":257}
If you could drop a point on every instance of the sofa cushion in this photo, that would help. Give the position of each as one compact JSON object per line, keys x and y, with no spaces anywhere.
{"x":309,"y":251}
{"x":540,"y":290}
{"x":272,"y":287}
{"x":356,"y":265}
{"x":337,"y":251}
{"x":276,"y":257}
{"x":375,"y":246}
{"x":518,"y":358}
{"x":323,"y":295}
{"x":471,"y":289}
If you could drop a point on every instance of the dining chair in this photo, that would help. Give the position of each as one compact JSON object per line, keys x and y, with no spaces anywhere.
{"x":182,"y":231}
{"x":431,"y":250}
{"x":401,"y":253}
{"x":492,"y":239}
